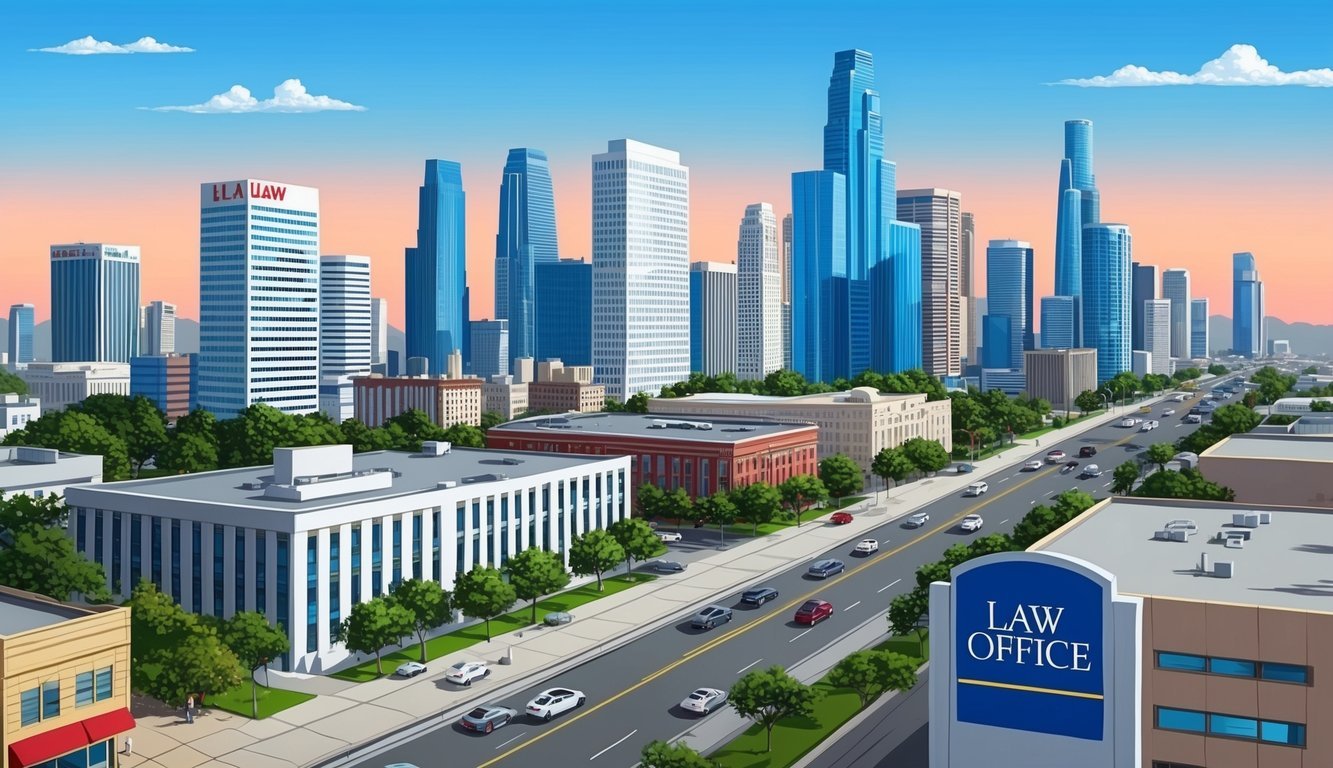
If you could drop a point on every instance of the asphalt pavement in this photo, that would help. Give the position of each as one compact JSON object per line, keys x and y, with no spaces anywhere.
{"x":896,"y":735}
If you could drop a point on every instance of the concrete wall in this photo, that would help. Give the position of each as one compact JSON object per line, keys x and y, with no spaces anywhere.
{"x":1257,"y":480}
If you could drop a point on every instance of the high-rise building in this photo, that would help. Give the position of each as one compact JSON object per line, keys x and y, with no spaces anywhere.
{"x":526,"y":238}
{"x":258,"y":297}
{"x":640,"y":265}
{"x":20,"y":333}
{"x":1143,"y":287}
{"x":1009,"y":323}
{"x":564,"y":311}
{"x":819,"y":276}
{"x":1058,"y":321}
{"x":436,"y":307}
{"x":939,"y":213}
{"x":490,"y":348}
{"x":158,"y":336}
{"x":344,"y":331}
{"x":1199,"y":346}
{"x":759,"y":313}
{"x":713,"y":317}
{"x":1247,"y":307}
{"x":967,"y":274}
{"x":1107,"y":249}
{"x":167,"y":380}
{"x":1157,"y":334}
{"x":379,"y":331}
{"x":1078,"y":149}
{"x":895,"y":306}
{"x":1059,"y":375}
{"x":1078,"y":204}
{"x":94,"y":303}
{"x":786,"y":291}
{"x":1176,"y":287}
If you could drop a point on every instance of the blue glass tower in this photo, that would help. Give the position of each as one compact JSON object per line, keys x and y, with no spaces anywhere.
{"x":1247,"y":307}
{"x":819,"y":275}
{"x":1058,"y":321}
{"x":564,"y":311}
{"x":20,"y":333}
{"x":526,"y":237}
{"x":94,"y":303}
{"x":896,"y":300}
{"x":1106,"y":296}
{"x":436,"y":269}
{"x":1008,"y":295}
{"x":1078,"y":204}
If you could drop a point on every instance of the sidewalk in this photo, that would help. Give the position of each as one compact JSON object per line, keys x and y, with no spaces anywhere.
{"x":349,"y":714}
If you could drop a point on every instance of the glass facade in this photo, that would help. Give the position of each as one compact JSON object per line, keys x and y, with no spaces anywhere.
{"x":20,"y":333}
{"x":94,"y":303}
{"x":897,"y":302}
{"x":335,"y":579}
{"x":311,"y":593}
{"x":1199,"y":346}
{"x":377,"y":558}
{"x":239,"y":595}
{"x":526,"y":237}
{"x":563,"y":327}
{"x":1231,"y":726}
{"x":1247,"y":307}
{"x":1057,"y":322}
{"x":176,"y":560}
{"x":219,"y":572}
{"x":1142,"y":287}
{"x":284,"y":556}
{"x":356,"y":563}
{"x":436,"y":270}
{"x":820,"y":310}
{"x":196,"y":568}
{"x":1009,"y":294}
{"x":1264,"y":670}
{"x":1107,"y":249}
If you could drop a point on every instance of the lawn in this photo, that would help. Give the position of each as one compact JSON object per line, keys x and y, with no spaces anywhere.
{"x":745,"y":529}
{"x":466,"y":637}
{"x":271,"y":700}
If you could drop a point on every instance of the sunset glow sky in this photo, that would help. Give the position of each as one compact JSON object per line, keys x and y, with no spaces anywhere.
{"x":738,"y":88}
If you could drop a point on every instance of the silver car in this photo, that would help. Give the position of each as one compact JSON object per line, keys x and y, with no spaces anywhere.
{"x":916,"y":520}
{"x":710,"y":617}
{"x":704,"y":700}
{"x":668,"y":566}
{"x":487,"y":717}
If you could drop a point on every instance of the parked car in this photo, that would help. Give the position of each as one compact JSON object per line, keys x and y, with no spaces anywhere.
{"x":554,"y":701}
{"x":1092,"y":470}
{"x":971,"y":523}
{"x":1032,"y":466}
{"x":710,"y":617}
{"x":866,"y":547}
{"x":464,"y":672}
{"x":963,"y":469}
{"x":822,"y":569}
{"x":410,"y":669}
{"x":916,"y":520}
{"x":813,"y":611}
{"x":1055,"y":457}
{"x":669,"y":537}
{"x":976,"y":489}
{"x":704,"y":700}
{"x":1087,"y":452}
{"x":759,"y":595}
{"x":1169,"y":412}
{"x":487,"y":718}
{"x":668,"y":566}
{"x":557,"y":618}
{"x":841,"y":518}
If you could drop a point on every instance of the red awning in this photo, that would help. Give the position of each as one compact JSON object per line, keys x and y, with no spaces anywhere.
{"x":46,"y":746}
{"x":103,"y":727}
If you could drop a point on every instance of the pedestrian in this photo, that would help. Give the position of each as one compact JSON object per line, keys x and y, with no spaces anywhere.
{"x":129,"y":746}
{"x":189,"y":709}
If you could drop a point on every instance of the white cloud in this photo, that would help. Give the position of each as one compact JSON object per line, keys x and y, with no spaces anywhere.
{"x":87,"y":46}
{"x":1239,"y":65}
{"x":290,"y":96}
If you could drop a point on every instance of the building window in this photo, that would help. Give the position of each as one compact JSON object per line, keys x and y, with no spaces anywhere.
{"x":240,"y":569}
{"x":1183,"y":662}
{"x":196,"y":568}
{"x":115,"y":552}
{"x":311,"y":594}
{"x":356,"y":563}
{"x":416,"y":544}
{"x":50,"y":699}
{"x":136,"y":549}
{"x":1236,"y":727}
{"x":30,"y":707}
{"x":1285,"y":673}
{"x":176,"y":560}
{"x":376,"y":557}
{"x":335,"y":580}
{"x":97,"y":537}
{"x":436,"y":519}
{"x":219,"y":571}
{"x":1231,"y":667}
{"x":81,"y":529}
{"x":284,"y":575}
{"x":1181,"y":720}
{"x":261,"y":572}
{"x":156,"y":544}
{"x":103,"y":676}
{"x":1272,"y":671}
{"x":1231,"y":726}
{"x":397,"y":572}
{"x":83,"y":689}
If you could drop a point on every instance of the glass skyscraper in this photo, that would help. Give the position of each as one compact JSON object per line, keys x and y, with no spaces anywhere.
{"x":1176,"y":287}
{"x":1247,"y":307}
{"x":1057,"y":322}
{"x":939,"y":213}
{"x":819,"y":275}
{"x":564,"y":311}
{"x":1078,"y":204}
{"x":344,"y":331}
{"x":490,"y":348}
{"x":20,"y":333}
{"x":436,"y":270}
{"x":94,"y":303}
{"x":1143,"y":287}
{"x":1198,"y":328}
{"x":759,"y":291}
{"x":1009,"y":301}
{"x":896,"y":302}
{"x":714,"y":292}
{"x":1106,"y":296}
{"x":526,"y":237}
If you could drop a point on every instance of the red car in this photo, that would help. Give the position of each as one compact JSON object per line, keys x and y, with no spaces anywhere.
{"x":813,"y":611}
{"x":840,"y":518}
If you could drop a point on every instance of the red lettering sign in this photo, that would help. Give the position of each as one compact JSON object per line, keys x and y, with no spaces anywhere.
{"x":267,"y":191}
{"x":222,"y":192}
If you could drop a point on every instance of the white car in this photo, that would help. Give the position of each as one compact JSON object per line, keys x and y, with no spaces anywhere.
{"x":704,"y":700}
{"x":971,"y":523}
{"x":464,"y":672}
{"x":554,"y":701}
{"x":1169,"y":412}
{"x":1128,"y":422}
{"x":1147,"y":427}
{"x":866,"y":547}
{"x":410,"y":669}
{"x":976,"y":489}
{"x":1032,"y":466}
{"x":668,"y":537}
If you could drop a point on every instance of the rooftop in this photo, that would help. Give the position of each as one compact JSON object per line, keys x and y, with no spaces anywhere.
{"x":24,"y":456}
{"x":855,"y":395}
{"x":1280,"y":447}
{"x":1283,"y":564}
{"x":23,"y":611}
{"x":661,"y":426}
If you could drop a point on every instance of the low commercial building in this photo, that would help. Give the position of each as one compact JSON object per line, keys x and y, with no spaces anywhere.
{"x":16,"y":411}
{"x":859,"y":422}
{"x":1296,"y":406}
{"x":167,"y":380}
{"x":1312,"y":425}
{"x":505,"y":396}
{"x":697,"y":455}
{"x":321,"y":530}
{"x":64,"y":682}
{"x":447,"y":401}
{"x":40,"y":472}
{"x":1058,"y":376}
{"x":1010,"y":381}
{"x":565,"y":397}
{"x":59,"y":385}
{"x":1281,"y":468}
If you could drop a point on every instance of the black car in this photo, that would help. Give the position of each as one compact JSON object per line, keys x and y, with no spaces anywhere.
{"x":759,"y":595}
{"x":1087,"y":452}
{"x":1069,"y":466}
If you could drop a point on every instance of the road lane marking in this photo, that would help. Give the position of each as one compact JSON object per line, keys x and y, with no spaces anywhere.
{"x":511,"y":741}
{"x":747,"y":666}
{"x":1002,"y":480}
{"x":1002,"y":522}
{"x":1034,"y":501}
{"x":803,"y":634}
{"x":1106,"y":485}
{"x":613,"y":746}
{"x":881,"y":589}
{"x":853,"y":605}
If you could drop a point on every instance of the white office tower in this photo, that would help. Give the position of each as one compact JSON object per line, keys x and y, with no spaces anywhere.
{"x":1157,"y":334}
{"x":379,"y":331}
{"x":258,"y":297}
{"x":939,"y":213}
{"x":158,"y":335}
{"x":713,"y":317}
{"x":1176,"y":287}
{"x":640,"y":268}
{"x":345,"y":331}
{"x":759,"y":321}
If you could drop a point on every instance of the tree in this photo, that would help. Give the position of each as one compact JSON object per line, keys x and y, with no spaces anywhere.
{"x":907,"y":609}
{"x":363,"y":438}
{"x":10,"y":382}
{"x":594,"y":553}
{"x":841,"y":476}
{"x":465,"y":436}
{"x":1185,"y":484}
{"x":892,"y":463}
{"x":255,"y":642}
{"x":201,"y":664}
{"x":146,"y":433}
{"x":428,"y":602}
{"x":769,"y":696}
{"x":187,"y":452}
{"x":678,"y":506}
{"x":1217,"y":369}
{"x":648,"y":501}
{"x":718,"y":509}
{"x":535,"y":572}
{"x":374,"y":624}
{"x":637,"y":403}
{"x":38,"y":556}
{"x":491,"y":419}
{"x":925,"y":455}
{"x":800,"y":492}
{"x":636,"y":538}
{"x":659,"y":754}
{"x":76,"y":432}
{"x":872,"y":672}
{"x":248,"y":439}
{"x":1124,"y":477}
{"x":757,"y":504}
{"x":482,"y":593}
{"x":1160,"y":454}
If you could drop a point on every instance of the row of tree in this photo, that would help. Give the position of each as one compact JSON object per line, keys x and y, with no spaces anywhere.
{"x":786,"y":383}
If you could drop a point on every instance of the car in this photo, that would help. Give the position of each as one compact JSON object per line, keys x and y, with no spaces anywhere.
{"x":1087,"y":452}
{"x":668,"y":566}
{"x":1055,"y":457}
{"x":916,"y":520}
{"x":1180,"y":398}
{"x":971,"y":523}
{"x":554,"y":701}
{"x":668,"y":537}
{"x":1194,"y":418}
{"x":704,"y":700}
{"x":1032,"y":466}
{"x":1147,"y":427}
{"x":1169,"y":412}
{"x":759,"y":595}
{"x":1092,"y":470}
{"x":840,"y":518}
{"x":464,"y":672}
{"x":557,"y":618}
{"x":963,"y":469}
{"x":976,"y":489}
{"x":710,"y":617}
{"x":822,"y":569}
{"x":410,"y":669}
{"x":813,"y":611}
{"x":1069,"y":466}
{"x":866,"y":547}
{"x":1128,"y":422}
{"x":487,"y":717}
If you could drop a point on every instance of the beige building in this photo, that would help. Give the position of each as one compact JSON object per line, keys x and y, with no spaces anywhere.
{"x":505,"y":396}
{"x":1273,"y":468}
{"x":565,"y":396}
{"x":59,"y":385}
{"x":859,"y":422}
{"x":1058,"y":376}
{"x":446,"y":401}
{"x":64,"y":681}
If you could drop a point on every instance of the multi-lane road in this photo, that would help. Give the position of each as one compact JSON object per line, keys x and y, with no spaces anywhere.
{"x":633,"y":693}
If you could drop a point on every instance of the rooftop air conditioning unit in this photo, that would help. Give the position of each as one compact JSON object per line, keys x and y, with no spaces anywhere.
{"x":1224,"y":570}
{"x":1265,"y":518}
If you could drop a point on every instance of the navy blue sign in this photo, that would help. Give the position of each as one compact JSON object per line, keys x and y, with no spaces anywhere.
{"x":1028,"y":648}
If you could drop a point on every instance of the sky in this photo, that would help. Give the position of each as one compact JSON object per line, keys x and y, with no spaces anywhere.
{"x":970,"y":93}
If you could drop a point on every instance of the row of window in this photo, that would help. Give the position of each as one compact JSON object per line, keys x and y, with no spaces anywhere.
{"x":1230,"y":726}
{"x":43,"y":702}
{"x":1214,"y":665}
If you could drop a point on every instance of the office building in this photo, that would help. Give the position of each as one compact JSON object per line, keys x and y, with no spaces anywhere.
{"x":1143,"y":287}
{"x":258,"y":297}
{"x":562,"y":395}
{"x":967,"y":274}
{"x":526,"y":237}
{"x":167,"y":380}
{"x":436,"y":306}
{"x":21,"y":323}
{"x":345,"y":330}
{"x":490,"y":348}
{"x":1176,"y":287}
{"x":59,"y":385}
{"x":564,"y":311}
{"x":1058,"y":321}
{"x":1011,"y":381}
{"x":1008,"y":328}
{"x":379,"y":331}
{"x":1140,"y":362}
{"x":445,"y":402}
{"x":1286,"y":469}
{"x":1279,"y":348}
{"x":1157,"y":334}
{"x":158,"y":334}
{"x":820,"y":312}
{"x":713,"y":316}
{"x":16,"y":411}
{"x":895,"y":305}
{"x":505,"y":395}
{"x":1297,"y":406}
{"x":66,"y":685}
{"x":786,"y":292}
{"x":1248,"y":337}
{"x":41,"y":472}
{"x":858,"y":423}
{"x":640,"y":265}
{"x":1059,"y":376}
{"x":1106,"y":296}
{"x":1078,"y":204}
{"x":94,"y":303}
{"x":370,"y":521}
{"x":939,"y":214}
{"x":759,"y":289}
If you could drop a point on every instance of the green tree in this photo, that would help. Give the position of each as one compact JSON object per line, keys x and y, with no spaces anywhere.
{"x":892,"y":464}
{"x":362,"y":438}
{"x":677,"y":505}
{"x":660,"y":754}
{"x":841,"y":476}
{"x":10,"y":382}
{"x":906,"y":611}
{"x":536,"y":572}
{"x":1160,"y":454}
{"x":465,"y":436}
{"x":144,"y":431}
{"x":427,"y":602}
{"x":76,"y":432}
{"x":636,"y":538}
{"x":800,"y":492}
{"x":410,"y":428}
{"x":249,"y":439}
{"x":757,"y":504}
{"x":482,"y":593}
{"x":38,"y":556}
{"x":648,"y":501}
{"x":637,"y":403}
{"x":925,"y":455}
{"x":784,"y":383}
{"x":1185,"y":484}
{"x":594,"y":553}
{"x":491,"y":419}
{"x":201,"y":664}
{"x":255,"y":643}
{"x":717,"y":509}
{"x":1310,"y":370}
{"x":872,"y":672}
{"x":1124,"y":477}
{"x":769,"y":696}
{"x":187,"y":452}
{"x":373,"y":624}
{"x":1217,"y":369}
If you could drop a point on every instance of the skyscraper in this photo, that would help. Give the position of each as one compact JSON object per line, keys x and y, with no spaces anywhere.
{"x":159,"y":329}
{"x":1009,"y":327}
{"x":895,"y":300}
{"x":1078,"y":204}
{"x":564,"y":311}
{"x":1143,"y":287}
{"x":713,"y":317}
{"x":20,"y":333}
{"x":819,"y":275}
{"x":640,"y":265}
{"x":1078,"y":149}
{"x":1157,"y":334}
{"x":258,"y":297}
{"x":1199,"y":341}
{"x":94,"y":303}
{"x":490,"y":348}
{"x":1107,"y":249}
{"x":1176,"y":287}
{"x":967,"y":273}
{"x":436,"y":270}
{"x":345,"y":331}
{"x":786,"y":291}
{"x":526,"y":238}
{"x":759,"y":317}
{"x":1247,"y":307}
{"x":939,"y":213}
{"x":1057,"y":322}
{"x":379,"y":331}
